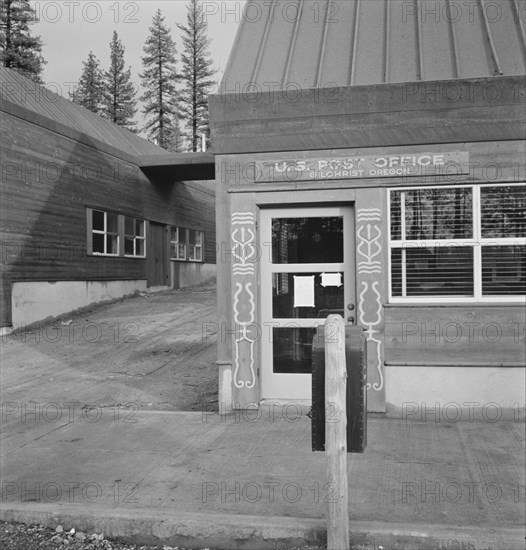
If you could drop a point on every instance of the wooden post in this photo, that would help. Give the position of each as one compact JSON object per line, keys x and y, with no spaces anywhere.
{"x":336,"y":433}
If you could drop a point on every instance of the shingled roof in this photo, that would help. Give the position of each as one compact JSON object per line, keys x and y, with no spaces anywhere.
{"x":318,"y":43}
{"x":18,"y":90}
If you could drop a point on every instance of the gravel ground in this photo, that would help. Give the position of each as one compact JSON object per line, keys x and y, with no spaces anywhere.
{"x":18,"y":536}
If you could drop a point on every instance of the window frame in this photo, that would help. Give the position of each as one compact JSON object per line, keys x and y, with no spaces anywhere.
{"x":183,"y":240}
{"x":135,"y":237}
{"x":121,"y":234}
{"x":193,"y":257}
{"x":105,"y":233}
{"x":178,"y":243}
{"x":476,"y":243}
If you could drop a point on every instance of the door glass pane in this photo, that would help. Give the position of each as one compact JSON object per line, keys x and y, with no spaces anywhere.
{"x":307,"y":240}
{"x":292,"y":349}
{"x":287,"y":300}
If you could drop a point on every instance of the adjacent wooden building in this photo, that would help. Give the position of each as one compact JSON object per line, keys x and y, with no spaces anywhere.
{"x":88,"y":212}
{"x":370,"y":161}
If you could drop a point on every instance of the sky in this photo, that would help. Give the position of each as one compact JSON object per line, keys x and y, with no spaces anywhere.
{"x":70,"y":29}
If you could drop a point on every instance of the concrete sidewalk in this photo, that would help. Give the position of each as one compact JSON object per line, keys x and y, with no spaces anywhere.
{"x":251,"y":481}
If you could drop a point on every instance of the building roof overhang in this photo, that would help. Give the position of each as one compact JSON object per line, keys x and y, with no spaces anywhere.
{"x":170,"y":167}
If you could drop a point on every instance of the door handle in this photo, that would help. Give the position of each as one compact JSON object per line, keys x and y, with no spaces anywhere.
{"x":350,"y":319}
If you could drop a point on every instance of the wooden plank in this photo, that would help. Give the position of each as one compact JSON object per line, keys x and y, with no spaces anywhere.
{"x":490,"y":335}
{"x":336,"y":433}
{"x":174,"y":159}
{"x":408,"y":97}
{"x":371,"y":129}
{"x":367,"y":116}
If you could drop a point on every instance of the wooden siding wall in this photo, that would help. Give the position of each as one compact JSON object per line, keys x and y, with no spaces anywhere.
{"x":484,"y":335}
{"x":412,"y":113}
{"x":49,"y":179}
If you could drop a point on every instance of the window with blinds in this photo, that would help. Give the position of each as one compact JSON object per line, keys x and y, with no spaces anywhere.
{"x":458,"y":243}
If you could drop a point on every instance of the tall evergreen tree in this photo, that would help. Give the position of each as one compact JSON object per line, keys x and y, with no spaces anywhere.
{"x":159,"y":78}
{"x":19,"y":50}
{"x":90,"y":90}
{"x":119,"y":91}
{"x":196,"y":74}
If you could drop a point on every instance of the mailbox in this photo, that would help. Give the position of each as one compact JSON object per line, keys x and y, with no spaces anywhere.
{"x":356,"y":398}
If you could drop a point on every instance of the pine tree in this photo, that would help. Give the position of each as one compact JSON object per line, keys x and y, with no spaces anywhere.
{"x":90,"y":90}
{"x":196,"y":74}
{"x":159,"y":78}
{"x":18,"y":49}
{"x":119,"y":91}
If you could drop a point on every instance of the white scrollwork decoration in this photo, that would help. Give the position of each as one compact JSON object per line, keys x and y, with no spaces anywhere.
{"x":243,"y":329}
{"x":244,"y":244}
{"x":371,"y":332}
{"x":369,"y":247}
{"x":244,"y":253}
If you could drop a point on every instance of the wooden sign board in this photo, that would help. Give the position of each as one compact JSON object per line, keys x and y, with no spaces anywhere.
{"x":362,"y":167}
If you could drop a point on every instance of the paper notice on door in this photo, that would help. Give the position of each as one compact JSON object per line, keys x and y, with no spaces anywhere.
{"x":304,"y":291}
{"x":331,"y":279}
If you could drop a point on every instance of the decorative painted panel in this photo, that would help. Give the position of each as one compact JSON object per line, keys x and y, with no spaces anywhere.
{"x":370,"y":288}
{"x":244,"y":315}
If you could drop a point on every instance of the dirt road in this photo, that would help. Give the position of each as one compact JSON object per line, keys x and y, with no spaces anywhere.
{"x":148,"y":352}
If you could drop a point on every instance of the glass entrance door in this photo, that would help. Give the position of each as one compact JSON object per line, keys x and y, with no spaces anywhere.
{"x":306,"y":274}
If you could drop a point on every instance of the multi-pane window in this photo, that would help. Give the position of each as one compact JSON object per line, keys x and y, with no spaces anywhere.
{"x":105,"y":233}
{"x":134,"y":237}
{"x":458,"y":243}
{"x":111,"y":234}
{"x":186,"y":244}
{"x":178,"y":243}
{"x":195,"y":245}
